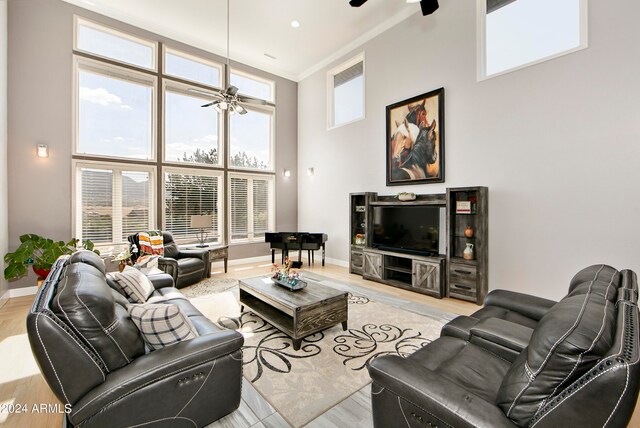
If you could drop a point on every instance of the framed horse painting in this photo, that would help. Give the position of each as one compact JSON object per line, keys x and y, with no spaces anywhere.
{"x":415,"y":140}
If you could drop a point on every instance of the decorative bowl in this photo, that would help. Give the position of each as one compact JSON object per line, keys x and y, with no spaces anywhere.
{"x":406,"y":196}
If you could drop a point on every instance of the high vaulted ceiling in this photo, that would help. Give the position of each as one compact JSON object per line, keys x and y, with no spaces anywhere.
{"x":328,"y":28}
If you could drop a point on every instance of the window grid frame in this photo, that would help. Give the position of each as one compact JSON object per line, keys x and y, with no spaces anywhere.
{"x":158,"y":163}
{"x":116,"y":168}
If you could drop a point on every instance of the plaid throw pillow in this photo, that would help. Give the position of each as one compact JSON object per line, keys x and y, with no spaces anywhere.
{"x":135,"y":284}
{"x":162,"y":324}
{"x":151,"y":242}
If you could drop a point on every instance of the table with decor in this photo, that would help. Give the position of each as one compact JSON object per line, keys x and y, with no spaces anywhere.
{"x":298,"y":313}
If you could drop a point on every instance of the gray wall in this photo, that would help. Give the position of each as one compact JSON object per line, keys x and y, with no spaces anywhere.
{"x":40,"y":111}
{"x":4,"y":209}
{"x":556,"y":143}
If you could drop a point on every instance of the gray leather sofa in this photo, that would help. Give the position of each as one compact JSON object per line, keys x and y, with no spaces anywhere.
{"x":93,"y":357}
{"x":534,"y":364}
{"x":185,"y":266}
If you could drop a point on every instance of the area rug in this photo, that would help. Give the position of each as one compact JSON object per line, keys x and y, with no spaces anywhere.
{"x":330,"y":365}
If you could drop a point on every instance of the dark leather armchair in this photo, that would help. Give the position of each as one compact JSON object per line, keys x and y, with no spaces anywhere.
{"x":94,"y":359}
{"x":577,"y":366}
{"x":185,"y":266}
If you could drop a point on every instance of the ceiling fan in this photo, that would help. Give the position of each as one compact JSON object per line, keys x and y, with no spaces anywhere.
{"x":229,"y":98}
{"x":427,"y":6}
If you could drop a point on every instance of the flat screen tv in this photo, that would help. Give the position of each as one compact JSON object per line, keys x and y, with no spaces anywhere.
{"x":410,"y":229}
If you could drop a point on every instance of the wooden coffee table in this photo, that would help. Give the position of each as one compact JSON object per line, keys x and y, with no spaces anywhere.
{"x":295,"y":313}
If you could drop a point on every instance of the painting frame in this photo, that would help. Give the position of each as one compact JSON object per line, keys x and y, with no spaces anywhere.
{"x":405,"y":166}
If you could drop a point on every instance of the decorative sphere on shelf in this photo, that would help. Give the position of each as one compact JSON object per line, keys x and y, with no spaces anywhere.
{"x":468,"y":232}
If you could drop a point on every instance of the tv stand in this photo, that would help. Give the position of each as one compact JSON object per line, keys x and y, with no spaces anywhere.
{"x":422,"y":274}
{"x":451,"y":275}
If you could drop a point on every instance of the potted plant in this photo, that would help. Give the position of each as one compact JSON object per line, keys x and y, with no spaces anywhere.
{"x":40,"y":253}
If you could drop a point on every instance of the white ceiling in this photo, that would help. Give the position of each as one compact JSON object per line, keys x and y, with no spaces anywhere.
{"x":328,"y":28}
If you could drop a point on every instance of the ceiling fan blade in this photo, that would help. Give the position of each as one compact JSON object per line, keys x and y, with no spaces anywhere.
{"x":231,"y":90}
{"x":206,"y":94}
{"x":250,"y":100}
{"x":212,"y":103}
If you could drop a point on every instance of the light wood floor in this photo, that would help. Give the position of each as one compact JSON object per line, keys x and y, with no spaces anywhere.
{"x":21,"y":382}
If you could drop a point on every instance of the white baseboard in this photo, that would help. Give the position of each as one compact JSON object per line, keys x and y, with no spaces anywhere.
{"x":268,"y":259}
{"x":24,"y":291}
{"x":337,"y":262}
{"x":5,"y":298}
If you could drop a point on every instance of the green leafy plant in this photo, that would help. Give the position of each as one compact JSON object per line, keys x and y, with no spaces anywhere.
{"x":39,"y":252}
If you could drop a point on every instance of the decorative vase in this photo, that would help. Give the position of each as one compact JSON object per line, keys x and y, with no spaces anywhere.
{"x":122,"y":265}
{"x":467,"y":254}
{"x":468,"y":232}
{"x":41,"y":272}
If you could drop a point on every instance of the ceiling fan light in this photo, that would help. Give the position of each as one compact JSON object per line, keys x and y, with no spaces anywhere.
{"x":241,"y":109}
{"x":223,"y":105}
{"x":217,"y":108}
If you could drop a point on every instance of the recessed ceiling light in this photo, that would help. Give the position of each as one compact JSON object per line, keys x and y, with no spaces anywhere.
{"x":295,"y":24}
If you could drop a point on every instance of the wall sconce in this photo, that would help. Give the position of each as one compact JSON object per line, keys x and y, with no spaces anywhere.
{"x":286,"y":173}
{"x":42,"y":150}
{"x":310,"y":172}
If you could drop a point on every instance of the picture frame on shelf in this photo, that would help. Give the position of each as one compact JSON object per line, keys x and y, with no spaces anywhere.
{"x":415,"y":140}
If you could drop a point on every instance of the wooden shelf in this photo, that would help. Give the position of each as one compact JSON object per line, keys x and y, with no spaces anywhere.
{"x":277,"y":318}
{"x":416,"y":202}
{"x":398,"y":269}
{"x":464,"y":261}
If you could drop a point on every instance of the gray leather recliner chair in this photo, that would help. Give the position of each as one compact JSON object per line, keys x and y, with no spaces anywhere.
{"x":578,"y":365}
{"x":94,"y":359}
{"x":185,"y":266}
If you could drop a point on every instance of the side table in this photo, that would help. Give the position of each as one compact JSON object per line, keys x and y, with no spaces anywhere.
{"x":216,"y":252}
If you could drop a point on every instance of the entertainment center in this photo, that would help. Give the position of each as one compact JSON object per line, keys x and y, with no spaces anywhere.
{"x":399,"y":243}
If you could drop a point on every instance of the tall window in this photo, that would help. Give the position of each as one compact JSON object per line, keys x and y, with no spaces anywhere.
{"x":517,"y":33}
{"x":251,"y":137}
{"x":253,"y":86}
{"x":192,"y":134}
{"x":138,"y":123}
{"x":189,"y":193}
{"x":105,"y":42}
{"x":251,"y":209}
{"x":346,"y":92}
{"x":115,"y":112}
{"x":189,"y":67}
{"x":112,"y":201}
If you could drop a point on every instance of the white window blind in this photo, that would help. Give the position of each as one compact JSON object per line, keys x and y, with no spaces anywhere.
{"x":96,"y":207}
{"x":252,"y":210}
{"x":260,"y":207}
{"x":135,"y":202}
{"x":114,"y":203}
{"x":187,"y":194}
{"x":239,"y":208}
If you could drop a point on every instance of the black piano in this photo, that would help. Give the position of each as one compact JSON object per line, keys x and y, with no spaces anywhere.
{"x":299,"y":241}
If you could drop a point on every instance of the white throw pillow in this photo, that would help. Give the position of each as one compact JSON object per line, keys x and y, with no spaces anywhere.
{"x":135,"y":284}
{"x":162,"y":324}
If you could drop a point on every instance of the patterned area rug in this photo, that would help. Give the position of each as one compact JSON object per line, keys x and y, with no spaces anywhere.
{"x":330,"y":365}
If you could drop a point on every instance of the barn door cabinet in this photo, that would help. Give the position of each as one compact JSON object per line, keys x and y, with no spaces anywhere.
{"x":416,"y":273}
